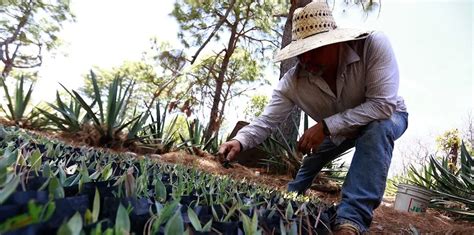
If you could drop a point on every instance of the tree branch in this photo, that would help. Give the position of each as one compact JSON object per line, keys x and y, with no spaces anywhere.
{"x":218,"y":25}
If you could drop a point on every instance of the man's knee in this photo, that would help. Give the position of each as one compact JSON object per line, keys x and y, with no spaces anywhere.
{"x":391,"y":128}
{"x":378,"y":130}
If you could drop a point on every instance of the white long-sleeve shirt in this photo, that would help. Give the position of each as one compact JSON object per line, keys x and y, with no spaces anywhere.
{"x":367,"y":89}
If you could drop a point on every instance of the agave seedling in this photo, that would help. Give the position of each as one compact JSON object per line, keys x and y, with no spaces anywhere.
{"x":226,"y":214}
{"x":122,"y":221}
{"x":250,"y":224}
{"x":35,"y":214}
{"x":163,"y":214}
{"x":197,"y":224}
{"x":73,"y":226}
{"x":92,"y":217}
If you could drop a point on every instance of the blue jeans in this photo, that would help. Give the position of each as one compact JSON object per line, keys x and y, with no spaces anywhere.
{"x":364,"y":185}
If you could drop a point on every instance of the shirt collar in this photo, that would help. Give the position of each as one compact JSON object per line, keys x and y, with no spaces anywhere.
{"x":347,"y":56}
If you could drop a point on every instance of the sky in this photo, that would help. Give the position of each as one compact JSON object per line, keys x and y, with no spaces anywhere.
{"x":432,"y":41}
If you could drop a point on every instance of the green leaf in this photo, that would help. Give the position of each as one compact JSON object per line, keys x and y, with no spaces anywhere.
{"x":175,"y":224}
{"x":160,"y":191}
{"x":55,"y":189}
{"x":89,"y":111}
{"x":96,"y":206}
{"x":97,"y":95}
{"x":34,"y":211}
{"x":208,"y":226}
{"x":107,"y":172}
{"x":75,"y":224}
{"x":194,"y":220}
{"x":250,"y":225}
{"x":165,"y":214}
{"x":9,"y":189}
{"x":9,"y":158}
{"x":97,"y":230}
{"x":122,"y":221}
{"x":282,"y":228}
{"x":64,"y":230}
{"x":109,"y":231}
{"x":35,"y":160}
{"x":50,"y":208}
{"x":289,"y":212}
{"x":294,"y":229}
{"x":72,"y":227}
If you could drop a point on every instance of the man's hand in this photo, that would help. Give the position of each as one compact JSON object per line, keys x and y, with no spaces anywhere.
{"x":311,"y":139}
{"x":230,"y":149}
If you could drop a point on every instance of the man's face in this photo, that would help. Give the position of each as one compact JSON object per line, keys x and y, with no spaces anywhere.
{"x":315,"y":61}
{"x":308,"y":62}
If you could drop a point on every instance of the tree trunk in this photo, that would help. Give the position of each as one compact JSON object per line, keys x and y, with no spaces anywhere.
{"x":291,"y":125}
{"x":214,"y":119}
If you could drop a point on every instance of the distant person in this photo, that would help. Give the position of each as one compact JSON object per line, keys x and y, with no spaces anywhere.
{"x":347,"y":80}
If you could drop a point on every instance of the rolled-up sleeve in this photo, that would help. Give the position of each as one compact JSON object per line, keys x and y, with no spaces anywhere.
{"x":275,"y":112}
{"x":381,"y":84}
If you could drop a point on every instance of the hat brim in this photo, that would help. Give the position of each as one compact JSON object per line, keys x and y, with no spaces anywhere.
{"x":318,"y":40}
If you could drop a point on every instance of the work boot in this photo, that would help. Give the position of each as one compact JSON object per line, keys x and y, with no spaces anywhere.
{"x":346,"y":229}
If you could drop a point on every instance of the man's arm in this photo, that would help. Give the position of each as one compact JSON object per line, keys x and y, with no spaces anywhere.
{"x":382,"y":81}
{"x":274,"y":113}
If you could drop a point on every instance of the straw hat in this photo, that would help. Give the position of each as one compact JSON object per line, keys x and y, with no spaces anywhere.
{"x":314,"y":27}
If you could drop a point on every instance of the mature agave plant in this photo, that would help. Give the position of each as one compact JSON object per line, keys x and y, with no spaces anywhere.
{"x":18,"y":104}
{"x":454,"y":191}
{"x":111,"y":121}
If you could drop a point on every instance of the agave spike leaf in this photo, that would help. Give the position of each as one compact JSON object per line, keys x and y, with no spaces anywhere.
{"x":67,"y":90}
{"x":153,"y":122}
{"x":68,"y":114}
{"x":209,"y":143}
{"x":57,"y":121}
{"x":137,"y":126}
{"x":163,"y":120}
{"x":111,"y":107}
{"x":18,"y":100}
{"x":125,"y":100}
{"x":458,"y":198}
{"x":418,"y":179}
{"x":89,"y":111}
{"x":158,"y":120}
{"x":24,"y":100}
{"x":447,"y":176}
{"x":10,"y":115}
{"x":97,"y":95}
{"x":120,"y":128}
{"x":18,"y":103}
{"x":466,"y":160}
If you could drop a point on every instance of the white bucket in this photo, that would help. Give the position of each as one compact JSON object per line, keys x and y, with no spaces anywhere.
{"x":411,"y":198}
